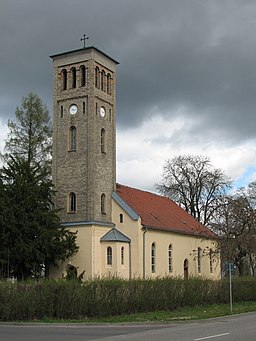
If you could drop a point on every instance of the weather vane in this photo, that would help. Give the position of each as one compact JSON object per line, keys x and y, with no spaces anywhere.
{"x":84,"y":39}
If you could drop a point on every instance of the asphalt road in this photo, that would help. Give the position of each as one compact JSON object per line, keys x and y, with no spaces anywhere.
{"x":231,"y":328}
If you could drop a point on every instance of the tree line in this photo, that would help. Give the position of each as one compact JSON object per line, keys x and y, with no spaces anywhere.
{"x":31,"y":237}
{"x":208,"y":195}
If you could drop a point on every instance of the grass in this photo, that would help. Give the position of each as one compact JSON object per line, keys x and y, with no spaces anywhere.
{"x":182,"y":314}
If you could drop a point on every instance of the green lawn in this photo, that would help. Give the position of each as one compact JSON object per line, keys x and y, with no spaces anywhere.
{"x":187,"y":313}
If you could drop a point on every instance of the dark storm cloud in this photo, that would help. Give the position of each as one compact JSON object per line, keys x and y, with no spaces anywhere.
{"x":193,"y":54}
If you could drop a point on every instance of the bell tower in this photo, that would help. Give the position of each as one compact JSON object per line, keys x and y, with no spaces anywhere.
{"x":84,"y":135}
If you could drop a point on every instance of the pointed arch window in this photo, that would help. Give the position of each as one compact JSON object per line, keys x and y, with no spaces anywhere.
{"x":103,"y":141}
{"x":170,"y":258}
{"x":199,"y":252}
{"x":72,"y":138}
{"x":109,"y":255}
{"x":73,"y":77}
{"x":153,"y":258}
{"x":64,"y":76}
{"x":72,"y":202}
{"x":103,"y":76}
{"x":103,"y":203}
{"x":97,"y":77}
{"x":109,"y":83}
{"x":82,"y":75}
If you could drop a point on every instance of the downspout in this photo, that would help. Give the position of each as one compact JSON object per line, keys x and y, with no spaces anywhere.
{"x":130,"y":261}
{"x":144,"y":252}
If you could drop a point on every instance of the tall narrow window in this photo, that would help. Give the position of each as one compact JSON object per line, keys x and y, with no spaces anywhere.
{"x":109,"y":83}
{"x":64,"y":79}
{"x":82,"y":75}
{"x":199,"y":251}
{"x":170,"y":257}
{"x":102,"y":140}
{"x":61,"y":111}
{"x":153,"y":258}
{"x":103,"y":203}
{"x":83,"y":107}
{"x":109,"y":256}
{"x":72,"y":202}
{"x":122,"y":255}
{"x":72,"y":138}
{"x":97,"y":77}
{"x":211,"y":266}
{"x":73,"y":75}
{"x":103,"y":76}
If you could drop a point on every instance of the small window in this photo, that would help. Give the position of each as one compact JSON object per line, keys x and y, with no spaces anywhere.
{"x":121,"y":218}
{"x":170,"y":257}
{"x":122,"y":255}
{"x":153,"y":258}
{"x":199,"y":251}
{"x":109,"y":256}
{"x":211,"y":265}
{"x":64,"y":79}
{"x":103,"y":203}
{"x":73,"y":75}
{"x":83,"y":107}
{"x":72,"y":202}
{"x":109,"y":83}
{"x":82,"y":75}
{"x":97,"y":77}
{"x":61,"y":111}
{"x":102,"y":141}
{"x":72,"y":138}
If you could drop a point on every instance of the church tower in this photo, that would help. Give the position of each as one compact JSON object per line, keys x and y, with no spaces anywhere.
{"x":84,"y":135}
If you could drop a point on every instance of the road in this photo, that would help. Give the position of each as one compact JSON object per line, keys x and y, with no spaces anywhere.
{"x":231,"y":328}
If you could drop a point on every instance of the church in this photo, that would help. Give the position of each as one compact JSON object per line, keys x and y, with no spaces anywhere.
{"x":121,"y":231}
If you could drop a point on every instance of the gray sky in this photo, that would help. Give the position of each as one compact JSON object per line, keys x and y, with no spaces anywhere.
{"x":186,"y":82}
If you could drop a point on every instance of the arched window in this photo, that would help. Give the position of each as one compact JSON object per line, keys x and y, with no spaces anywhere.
{"x":122,"y":255}
{"x":103,"y":76}
{"x":170,"y":257}
{"x":103,"y":203}
{"x":109,"y":256}
{"x":109,"y":83}
{"x":121,"y":218}
{"x":73,"y":75}
{"x":211,"y":265}
{"x":64,"y":79}
{"x":199,"y":251}
{"x":97,"y":77}
{"x":102,"y":140}
{"x":82,"y":75}
{"x":153,"y":258}
{"x":71,"y":272}
{"x":72,"y":202}
{"x":72,"y":138}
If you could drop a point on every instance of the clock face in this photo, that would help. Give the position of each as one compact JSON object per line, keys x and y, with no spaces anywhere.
{"x":73,"y":109}
{"x":102,"y":112}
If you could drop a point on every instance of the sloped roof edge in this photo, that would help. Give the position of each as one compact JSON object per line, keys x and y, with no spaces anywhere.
{"x":125,"y":206}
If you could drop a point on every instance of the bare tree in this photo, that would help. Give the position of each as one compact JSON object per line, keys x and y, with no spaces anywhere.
{"x":195,"y":185}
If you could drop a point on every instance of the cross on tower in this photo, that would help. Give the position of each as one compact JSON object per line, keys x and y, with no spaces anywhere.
{"x":84,"y":39}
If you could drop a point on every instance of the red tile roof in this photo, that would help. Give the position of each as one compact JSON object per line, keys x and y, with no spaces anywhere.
{"x":158,"y":212}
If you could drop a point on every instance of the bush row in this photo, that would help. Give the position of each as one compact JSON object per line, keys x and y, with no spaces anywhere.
{"x":109,"y":297}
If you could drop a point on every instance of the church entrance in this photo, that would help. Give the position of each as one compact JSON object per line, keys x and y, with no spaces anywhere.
{"x":185,"y":268}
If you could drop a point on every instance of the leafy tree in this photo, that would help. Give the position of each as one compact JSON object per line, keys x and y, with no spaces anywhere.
{"x":30,"y":134}
{"x":33,"y":238}
{"x":194,"y":184}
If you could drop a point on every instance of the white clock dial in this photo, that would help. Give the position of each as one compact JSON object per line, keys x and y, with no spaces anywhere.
{"x":102,"y":112}
{"x":73,"y":109}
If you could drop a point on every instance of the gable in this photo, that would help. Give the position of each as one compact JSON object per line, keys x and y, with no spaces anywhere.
{"x":159,"y":212}
{"x":115,"y":235}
